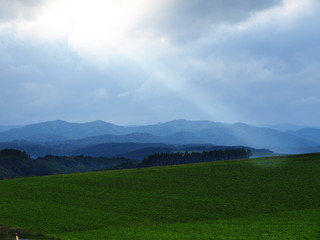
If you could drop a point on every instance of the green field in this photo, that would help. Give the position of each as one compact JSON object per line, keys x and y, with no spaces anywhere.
{"x":266,"y":198}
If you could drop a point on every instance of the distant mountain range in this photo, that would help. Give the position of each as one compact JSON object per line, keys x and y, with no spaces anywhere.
{"x":6,"y":128}
{"x":61,"y":137}
{"x":284,"y":127}
{"x":62,"y":130}
{"x":312,"y":134}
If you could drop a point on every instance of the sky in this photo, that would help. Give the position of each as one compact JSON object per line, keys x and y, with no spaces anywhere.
{"x":135,"y":62}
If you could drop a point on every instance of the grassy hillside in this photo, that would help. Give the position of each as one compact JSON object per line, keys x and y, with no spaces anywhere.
{"x":267,"y":198}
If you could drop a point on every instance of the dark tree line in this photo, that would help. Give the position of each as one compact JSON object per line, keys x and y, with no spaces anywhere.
{"x":15,"y":163}
{"x":162,"y":159}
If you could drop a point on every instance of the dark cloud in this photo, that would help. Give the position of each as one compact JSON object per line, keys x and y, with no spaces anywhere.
{"x":184,"y":20}
{"x":265,"y":73}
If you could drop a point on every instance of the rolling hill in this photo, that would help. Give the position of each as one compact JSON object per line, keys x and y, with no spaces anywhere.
{"x":266,"y":198}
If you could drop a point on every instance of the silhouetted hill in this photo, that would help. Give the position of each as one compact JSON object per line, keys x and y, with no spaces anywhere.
{"x":60,"y":129}
{"x":32,"y":149}
{"x":115,"y":149}
{"x":138,"y":151}
{"x":108,"y":138}
{"x":15,"y":163}
{"x":68,"y":137}
{"x":233,"y":135}
{"x":46,"y":138}
{"x":177,"y":157}
{"x":130,"y":150}
{"x":140,"y":154}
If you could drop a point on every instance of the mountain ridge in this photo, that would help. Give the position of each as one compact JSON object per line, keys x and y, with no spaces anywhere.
{"x":176,"y":132}
{"x":312,"y":134}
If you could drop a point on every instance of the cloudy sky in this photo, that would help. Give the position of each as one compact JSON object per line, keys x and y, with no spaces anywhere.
{"x":148,"y":61}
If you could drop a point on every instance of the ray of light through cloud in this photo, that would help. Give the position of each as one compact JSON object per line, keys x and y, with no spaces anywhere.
{"x":135,"y":62}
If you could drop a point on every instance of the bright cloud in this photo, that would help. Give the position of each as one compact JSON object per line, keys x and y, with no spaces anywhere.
{"x":94,"y":27}
{"x":158,"y":60}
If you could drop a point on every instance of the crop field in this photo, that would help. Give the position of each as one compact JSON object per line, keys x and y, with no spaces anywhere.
{"x":263,"y":198}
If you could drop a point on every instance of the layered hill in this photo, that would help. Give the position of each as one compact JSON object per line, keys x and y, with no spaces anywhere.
{"x":130,"y":150}
{"x":65,"y":138}
{"x":52,"y":131}
{"x":312,"y":134}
